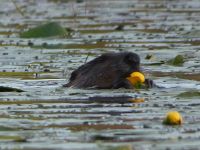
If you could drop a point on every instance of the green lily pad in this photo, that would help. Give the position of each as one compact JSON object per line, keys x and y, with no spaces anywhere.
{"x":4,"y":128}
{"x":189,"y":94}
{"x":12,"y":138}
{"x":123,"y":147}
{"x":9,"y":89}
{"x":45,"y":30}
{"x":177,"y":61}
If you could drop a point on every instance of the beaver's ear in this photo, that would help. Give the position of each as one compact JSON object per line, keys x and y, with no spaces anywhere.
{"x":132,"y":58}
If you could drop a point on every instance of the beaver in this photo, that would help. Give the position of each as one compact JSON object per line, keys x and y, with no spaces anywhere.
{"x":108,"y":71}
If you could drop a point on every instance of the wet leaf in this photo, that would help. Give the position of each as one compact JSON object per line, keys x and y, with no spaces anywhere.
{"x":189,"y":94}
{"x":17,"y":74}
{"x":3,"y":128}
{"x":9,"y":89}
{"x":12,"y":138}
{"x":182,"y":75}
{"x":177,"y":61}
{"x":45,"y":30}
{"x":99,"y":127}
{"x":123,"y":147}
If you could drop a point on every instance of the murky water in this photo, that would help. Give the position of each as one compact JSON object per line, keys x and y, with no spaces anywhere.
{"x":47,"y":116}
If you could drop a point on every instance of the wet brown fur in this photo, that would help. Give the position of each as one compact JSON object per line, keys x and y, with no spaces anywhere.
{"x":106,"y":71}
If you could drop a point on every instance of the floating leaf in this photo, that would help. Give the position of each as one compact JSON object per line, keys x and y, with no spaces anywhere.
{"x":4,"y":128}
{"x":45,"y":30}
{"x":9,"y":89}
{"x":12,"y":138}
{"x":177,"y":61}
{"x":99,"y":127}
{"x":182,"y":75}
{"x":123,"y":147}
{"x":189,"y":94}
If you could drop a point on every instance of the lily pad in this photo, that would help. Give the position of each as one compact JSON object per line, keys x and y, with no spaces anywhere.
{"x":45,"y":30}
{"x":177,"y":61}
{"x":4,"y":128}
{"x":9,"y":89}
{"x":99,"y":127}
{"x":12,"y":138}
{"x":182,"y":75}
{"x":189,"y":94}
{"x":123,"y":147}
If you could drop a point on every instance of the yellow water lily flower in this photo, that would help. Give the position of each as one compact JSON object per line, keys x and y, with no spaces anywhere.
{"x":136,"y":77}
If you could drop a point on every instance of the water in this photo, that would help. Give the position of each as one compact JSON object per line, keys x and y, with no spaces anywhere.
{"x":48,"y":116}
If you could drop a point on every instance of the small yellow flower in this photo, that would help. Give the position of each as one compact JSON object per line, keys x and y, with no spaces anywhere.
{"x":173,"y":118}
{"x":136,"y":77}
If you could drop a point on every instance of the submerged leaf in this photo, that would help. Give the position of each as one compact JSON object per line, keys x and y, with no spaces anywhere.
{"x":45,"y":30}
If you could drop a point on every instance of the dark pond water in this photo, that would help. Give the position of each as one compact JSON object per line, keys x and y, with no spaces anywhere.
{"x":48,"y":116}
